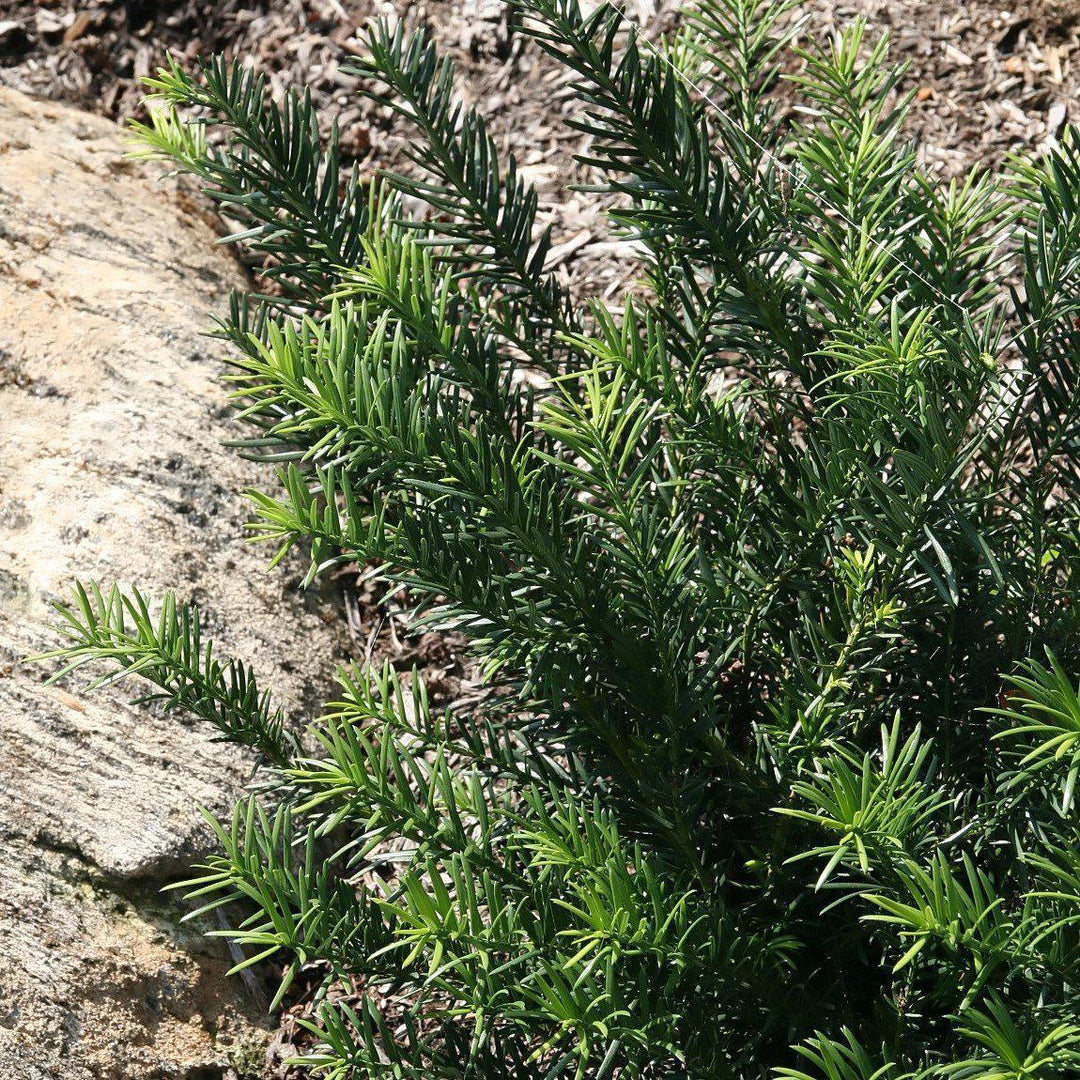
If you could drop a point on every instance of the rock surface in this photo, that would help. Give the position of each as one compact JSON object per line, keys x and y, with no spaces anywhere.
{"x":112,"y":417}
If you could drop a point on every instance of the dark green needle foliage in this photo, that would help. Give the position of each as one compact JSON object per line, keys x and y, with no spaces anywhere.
{"x":772,"y":574}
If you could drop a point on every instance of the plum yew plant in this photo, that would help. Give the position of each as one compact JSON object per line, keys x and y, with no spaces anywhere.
{"x":773,"y":574}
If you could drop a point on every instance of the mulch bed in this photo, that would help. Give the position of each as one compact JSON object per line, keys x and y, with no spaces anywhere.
{"x":990,"y":77}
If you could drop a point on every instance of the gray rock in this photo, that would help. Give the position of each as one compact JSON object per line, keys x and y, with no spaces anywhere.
{"x":112,"y":417}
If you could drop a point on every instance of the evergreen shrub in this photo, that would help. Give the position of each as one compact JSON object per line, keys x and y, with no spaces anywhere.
{"x":772,"y":573}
